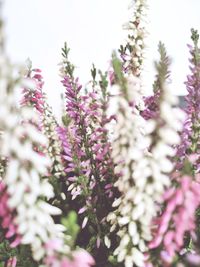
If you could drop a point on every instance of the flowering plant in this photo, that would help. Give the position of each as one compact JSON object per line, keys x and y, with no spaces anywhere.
{"x":115,"y":181}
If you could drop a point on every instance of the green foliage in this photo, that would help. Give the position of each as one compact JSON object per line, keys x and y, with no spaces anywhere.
{"x":69,"y":67}
{"x":113,"y":260}
{"x":187,"y":168}
{"x":24,"y":257}
{"x":93,"y":72}
{"x":196,"y":51}
{"x":72,"y":228}
{"x":195,"y":36}
{"x":3,"y":163}
{"x":162,"y":67}
{"x":22,"y":253}
{"x":103,"y":83}
{"x":119,"y":77}
{"x":6,"y":252}
{"x":66,"y":120}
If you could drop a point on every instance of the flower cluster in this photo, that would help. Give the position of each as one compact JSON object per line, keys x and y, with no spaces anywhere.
{"x":177,"y":222}
{"x":141,"y":151}
{"x":178,"y":217}
{"x":22,"y":177}
{"x":36,"y":98}
{"x":79,"y":258}
{"x":190,"y":135}
{"x":33,"y":94}
{"x":25,"y":210}
{"x":132,"y":53}
{"x":151,"y":110}
{"x":115,"y":180}
{"x":87,"y":153}
{"x":7,"y":216}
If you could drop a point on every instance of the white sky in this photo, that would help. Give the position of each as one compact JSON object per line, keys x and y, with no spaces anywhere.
{"x":93,"y":28}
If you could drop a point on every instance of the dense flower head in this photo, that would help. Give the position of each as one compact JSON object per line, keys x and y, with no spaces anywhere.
{"x":12,"y":262}
{"x":141,"y":152}
{"x":79,"y":258}
{"x":177,"y":219}
{"x":151,"y":107}
{"x":117,"y":177}
{"x":32,"y":92}
{"x":26,"y":192}
{"x":193,"y":98}
{"x":132,"y":53}
{"x":87,"y":158}
{"x":22,"y":177}
{"x":7,"y":216}
{"x":33,"y":96}
{"x":85,"y":146}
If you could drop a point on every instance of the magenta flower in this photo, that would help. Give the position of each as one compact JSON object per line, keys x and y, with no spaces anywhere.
{"x":190,"y":135}
{"x":86,"y":148}
{"x":34,"y":97}
{"x":12,"y":262}
{"x":82,"y":259}
{"x":54,"y":258}
{"x":8,"y":217}
{"x":177,"y":218}
{"x":151,"y":106}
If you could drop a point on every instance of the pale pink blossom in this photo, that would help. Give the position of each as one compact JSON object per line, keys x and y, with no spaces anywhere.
{"x":12,"y":262}
{"x":177,"y":218}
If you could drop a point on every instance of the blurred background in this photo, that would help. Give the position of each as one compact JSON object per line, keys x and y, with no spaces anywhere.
{"x":93,"y":29}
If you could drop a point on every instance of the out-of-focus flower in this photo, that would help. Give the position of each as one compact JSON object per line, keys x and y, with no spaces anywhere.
{"x":178,"y":217}
{"x":132,"y":53}
{"x":36,"y":98}
{"x":12,"y":262}
{"x":54,"y":258}
{"x":193,"y":259}
{"x":8,"y":217}
{"x":87,"y":153}
{"x":26,"y":193}
{"x":190,"y":136}
{"x":141,"y":151}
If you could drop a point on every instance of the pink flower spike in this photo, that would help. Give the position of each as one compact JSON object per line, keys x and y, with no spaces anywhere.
{"x":55,"y":244}
{"x":66,"y":263}
{"x":156,"y":242}
{"x":12,"y":262}
{"x":16,"y":242}
{"x":82,"y":259}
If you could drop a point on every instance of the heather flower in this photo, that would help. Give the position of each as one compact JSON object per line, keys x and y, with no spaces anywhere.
{"x":178,"y":217}
{"x":22,"y":178}
{"x":33,"y":95}
{"x":82,"y":259}
{"x":174,"y":228}
{"x":36,"y":98}
{"x":151,"y":109}
{"x":26,"y":193}
{"x":54,"y":258}
{"x":12,"y":262}
{"x":53,"y":149}
{"x":7,"y":216}
{"x":193,"y":259}
{"x":86,"y":152}
{"x":132,"y":53}
{"x":141,"y":151}
{"x":190,"y":135}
